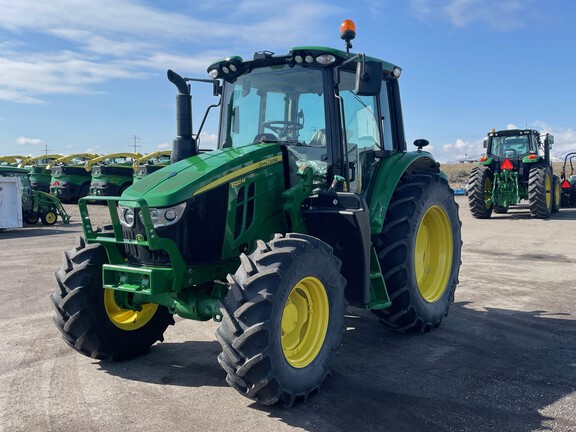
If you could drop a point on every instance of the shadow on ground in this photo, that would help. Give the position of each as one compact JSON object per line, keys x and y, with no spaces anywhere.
{"x":482,"y":370}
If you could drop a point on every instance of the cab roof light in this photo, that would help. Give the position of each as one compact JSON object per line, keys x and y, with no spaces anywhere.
{"x":325,"y":59}
{"x":226,"y":68}
{"x":347,"y":33}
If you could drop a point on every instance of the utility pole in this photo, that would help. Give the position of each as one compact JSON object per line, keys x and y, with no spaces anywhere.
{"x":134,"y":145}
{"x":46,"y":149}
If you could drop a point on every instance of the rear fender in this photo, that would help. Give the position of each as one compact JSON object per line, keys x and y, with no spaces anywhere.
{"x":387,"y":176}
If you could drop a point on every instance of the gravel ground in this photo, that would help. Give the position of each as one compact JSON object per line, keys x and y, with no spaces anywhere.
{"x":504,"y":359}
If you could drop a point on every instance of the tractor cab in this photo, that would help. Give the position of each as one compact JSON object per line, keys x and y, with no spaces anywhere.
{"x":308,"y":102}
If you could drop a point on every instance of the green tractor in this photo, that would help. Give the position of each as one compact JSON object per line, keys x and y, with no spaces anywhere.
{"x":150,"y":163}
{"x":40,"y":172}
{"x":516,"y":167}
{"x":36,"y":205}
{"x":70,"y":180}
{"x":111,"y":174}
{"x":310,"y":202}
{"x":568,"y":185}
{"x":13,"y":160}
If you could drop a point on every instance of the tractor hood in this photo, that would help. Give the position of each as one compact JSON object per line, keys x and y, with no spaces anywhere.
{"x":182,"y":180}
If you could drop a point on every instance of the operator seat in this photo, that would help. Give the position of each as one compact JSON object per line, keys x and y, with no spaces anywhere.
{"x":264,"y":137}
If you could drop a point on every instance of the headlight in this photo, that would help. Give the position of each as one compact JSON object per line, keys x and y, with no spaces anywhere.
{"x":126,"y":216}
{"x":166,"y":216}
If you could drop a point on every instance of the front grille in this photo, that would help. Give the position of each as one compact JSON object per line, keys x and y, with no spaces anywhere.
{"x":199,"y":234}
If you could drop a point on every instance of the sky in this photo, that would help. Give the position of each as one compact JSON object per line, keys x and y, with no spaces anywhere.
{"x":79,"y":76}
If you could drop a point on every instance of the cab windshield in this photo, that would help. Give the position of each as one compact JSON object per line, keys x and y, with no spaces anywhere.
{"x":510,"y":146}
{"x":274,"y":104}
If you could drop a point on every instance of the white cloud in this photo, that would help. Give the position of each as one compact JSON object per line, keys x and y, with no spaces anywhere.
{"x":500,"y":15}
{"x":23,"y":141}
{"x":564,"y":138}
{"x":104,"y":40}
{"x":459,"y":149}
{"x":208,"y":141}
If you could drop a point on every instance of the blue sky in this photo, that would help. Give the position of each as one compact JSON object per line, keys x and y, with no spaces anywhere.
{"x":80,"y":76}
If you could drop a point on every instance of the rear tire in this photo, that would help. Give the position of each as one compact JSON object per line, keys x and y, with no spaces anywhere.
{"x":88,"y":317}
{"x":282,"y":319}
{"x":540,"y":192}
{"x":31,"y":218}
{"x":419,"y":251}
{"x":480,"y":191}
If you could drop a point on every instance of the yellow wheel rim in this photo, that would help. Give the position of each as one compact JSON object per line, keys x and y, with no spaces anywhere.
{"x":50,"y":218}
{"x":557,"y":193}
{"x":433,"y":254}
{"x":487,"y":191}
{"x":548,"y":191}
{"x":127,"y":319}
{"x":304,"y":322}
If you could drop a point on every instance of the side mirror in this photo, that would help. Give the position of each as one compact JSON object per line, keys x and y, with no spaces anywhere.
{"x":368,"y":78}
{"x":485,"y":142}
{"x":421,"y":143}
{"x":550,"y":139}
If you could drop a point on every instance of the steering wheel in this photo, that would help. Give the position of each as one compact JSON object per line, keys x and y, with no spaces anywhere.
{"x":281,"y":128}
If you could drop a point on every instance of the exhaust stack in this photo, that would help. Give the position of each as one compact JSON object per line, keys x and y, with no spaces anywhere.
{"x":184,"y":145}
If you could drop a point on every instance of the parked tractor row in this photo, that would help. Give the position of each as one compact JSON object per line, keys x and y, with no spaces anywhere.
{"x":77,"y":175}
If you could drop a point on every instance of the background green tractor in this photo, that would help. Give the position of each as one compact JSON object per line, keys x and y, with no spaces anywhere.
{"x":310,"y":202}
{"x":516,"y":167}
{"x":70,"y":180}
{"x":150,"y":163}
{"x":111,"y":174}
{"x":13,"y":160}
{"x":40,"y":171}
{"x":568,"y":184}
{"x":36,"y":205}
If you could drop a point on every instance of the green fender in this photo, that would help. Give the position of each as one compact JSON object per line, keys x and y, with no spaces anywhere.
{"x":388,"y":174}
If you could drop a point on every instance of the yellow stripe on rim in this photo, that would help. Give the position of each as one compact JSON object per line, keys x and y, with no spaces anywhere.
{"x":127,"y":319}
{"x":305,"y":322}
{"x":548,"y":190}
{"x":433,"y":254}
{"x":240,"y":172}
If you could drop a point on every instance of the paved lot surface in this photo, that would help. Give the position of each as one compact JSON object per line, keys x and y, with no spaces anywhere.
{"x":504,"y":360}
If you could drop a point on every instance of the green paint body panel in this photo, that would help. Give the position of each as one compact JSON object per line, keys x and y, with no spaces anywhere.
{"x":389,"y":173}
{"x":74,"y":181}
{"x":174,"y":286}
{"x":40,"y":178}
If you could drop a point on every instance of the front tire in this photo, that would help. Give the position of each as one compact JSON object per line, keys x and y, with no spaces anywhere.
{"x":88,"y":316}
{"x":419,"y":250}
{"x":49,"y":218}
{"x":282,"y":319}
{"x":540,"y":192}
{"x":480,"y":192}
